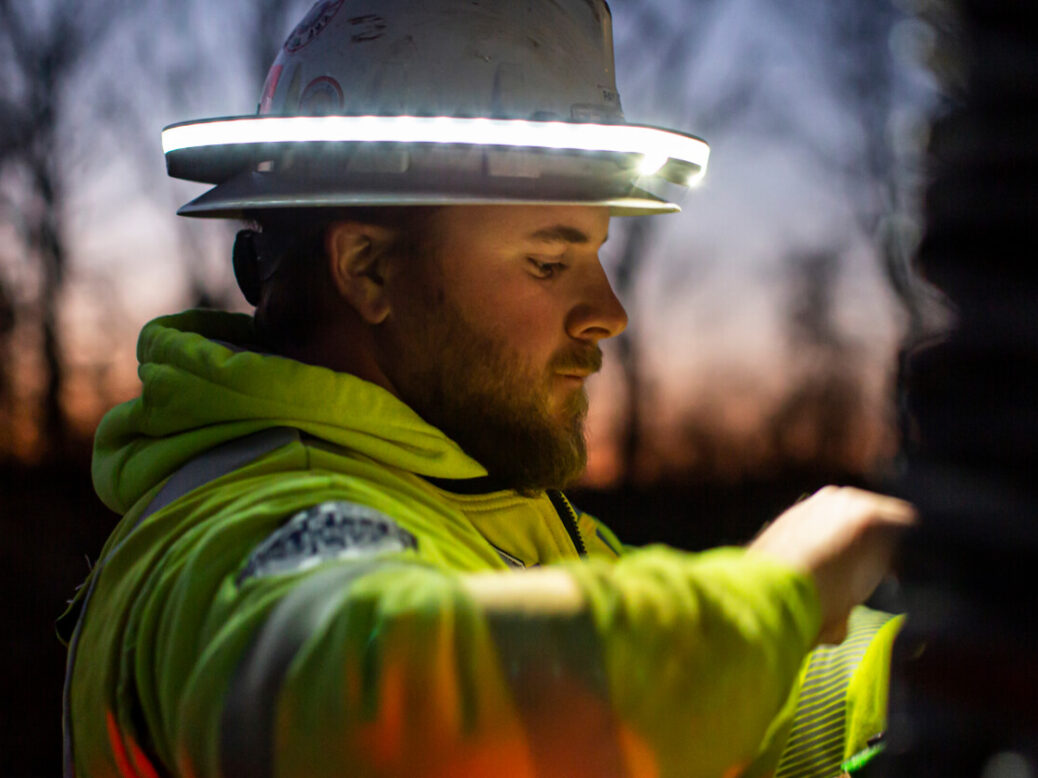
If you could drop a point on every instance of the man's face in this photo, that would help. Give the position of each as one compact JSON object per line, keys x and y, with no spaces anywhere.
{"x":495,"y":330}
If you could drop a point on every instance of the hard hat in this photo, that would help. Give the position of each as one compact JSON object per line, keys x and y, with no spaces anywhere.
{"x":412,"y":102}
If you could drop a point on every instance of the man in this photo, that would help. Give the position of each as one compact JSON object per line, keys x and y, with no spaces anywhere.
{"x":344,"y":549}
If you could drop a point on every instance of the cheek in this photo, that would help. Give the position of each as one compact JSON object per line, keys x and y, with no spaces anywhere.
{"x":503,"y":302}
{"x":526,"y":323}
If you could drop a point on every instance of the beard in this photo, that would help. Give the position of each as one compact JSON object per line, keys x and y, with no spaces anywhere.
{"x":483,"y":395}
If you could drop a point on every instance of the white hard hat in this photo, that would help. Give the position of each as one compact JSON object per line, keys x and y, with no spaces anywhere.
{"x":420,"y":102}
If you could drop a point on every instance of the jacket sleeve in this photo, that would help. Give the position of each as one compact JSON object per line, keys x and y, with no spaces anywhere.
{"x":673,"y":664}
{"x":839,"y":718}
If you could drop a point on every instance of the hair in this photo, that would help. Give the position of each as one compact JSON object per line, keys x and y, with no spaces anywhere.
{"x":281,"y":264}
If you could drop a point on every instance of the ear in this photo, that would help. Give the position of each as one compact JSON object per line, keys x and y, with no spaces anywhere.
{"x":357,"y":256}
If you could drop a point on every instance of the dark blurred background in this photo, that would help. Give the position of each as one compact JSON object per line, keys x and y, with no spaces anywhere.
{"x":769,"y":322}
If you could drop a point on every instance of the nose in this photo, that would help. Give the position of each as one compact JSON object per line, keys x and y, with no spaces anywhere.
{"x":598,"y":313}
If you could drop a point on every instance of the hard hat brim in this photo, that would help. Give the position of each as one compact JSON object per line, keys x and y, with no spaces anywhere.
{"x":253,"y":191}
{"x":295,"y":162}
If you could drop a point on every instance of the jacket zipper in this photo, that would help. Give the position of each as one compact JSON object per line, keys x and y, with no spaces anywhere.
{"x":569,"y":519}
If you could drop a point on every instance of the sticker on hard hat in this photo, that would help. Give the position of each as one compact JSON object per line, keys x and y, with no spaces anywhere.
{"x":367,"y":28}
{"x":315,"y":21}
{"x":321,"y":97}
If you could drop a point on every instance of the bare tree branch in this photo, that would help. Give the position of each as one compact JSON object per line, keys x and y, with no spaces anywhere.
{"x":48,"y":44}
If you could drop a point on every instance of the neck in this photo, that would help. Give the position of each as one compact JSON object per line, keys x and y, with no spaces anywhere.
{"x":344,"y":350}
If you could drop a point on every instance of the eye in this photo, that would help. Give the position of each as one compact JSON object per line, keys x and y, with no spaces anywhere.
{"x":544,"y":269}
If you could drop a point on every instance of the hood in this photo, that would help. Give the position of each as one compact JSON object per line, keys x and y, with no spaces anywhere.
{"x":202,"y":387}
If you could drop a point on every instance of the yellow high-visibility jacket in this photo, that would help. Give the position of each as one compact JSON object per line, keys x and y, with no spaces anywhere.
{"x":295,"y":605}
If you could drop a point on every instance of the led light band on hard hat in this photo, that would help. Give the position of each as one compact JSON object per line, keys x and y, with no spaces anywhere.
{"x":656,"y":146}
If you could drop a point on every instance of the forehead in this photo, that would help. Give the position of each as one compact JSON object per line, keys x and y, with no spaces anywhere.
{"x":501,"y":226}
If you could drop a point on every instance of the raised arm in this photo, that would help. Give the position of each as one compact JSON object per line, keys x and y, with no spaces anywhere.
{"x":662,"y":663}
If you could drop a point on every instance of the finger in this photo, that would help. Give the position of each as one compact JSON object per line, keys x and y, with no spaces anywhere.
{"x":886,"y":506}
{"x":898,"y":512}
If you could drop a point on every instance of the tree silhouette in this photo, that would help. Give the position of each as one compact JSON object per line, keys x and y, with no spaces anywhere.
{"x":864,"y":74}
{"x":667,"y":81}
{"x":178,"y":79}
{"x":847,"y":46}
{"x":42,"y":45}
{"x":7,"y":325}
{"x":814,"y":423}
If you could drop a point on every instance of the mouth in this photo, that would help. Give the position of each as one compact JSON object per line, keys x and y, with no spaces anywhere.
{"x":577,"y":365}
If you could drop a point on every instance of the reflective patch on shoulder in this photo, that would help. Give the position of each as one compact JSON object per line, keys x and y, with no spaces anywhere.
{"x":326,"y":532}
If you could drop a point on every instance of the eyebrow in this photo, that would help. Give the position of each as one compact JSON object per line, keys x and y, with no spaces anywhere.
{"x":561,"y":233}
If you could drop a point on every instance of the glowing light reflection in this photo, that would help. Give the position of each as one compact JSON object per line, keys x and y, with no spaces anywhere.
{"x":657,"y":146}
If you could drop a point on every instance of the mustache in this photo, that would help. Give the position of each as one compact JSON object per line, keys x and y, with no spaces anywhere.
{"x":587,"y":358}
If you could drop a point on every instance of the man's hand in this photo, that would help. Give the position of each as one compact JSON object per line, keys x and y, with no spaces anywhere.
{"x":845,"y":538}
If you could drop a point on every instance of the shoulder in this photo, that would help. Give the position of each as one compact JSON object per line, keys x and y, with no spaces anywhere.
{"x":324,"y":532}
